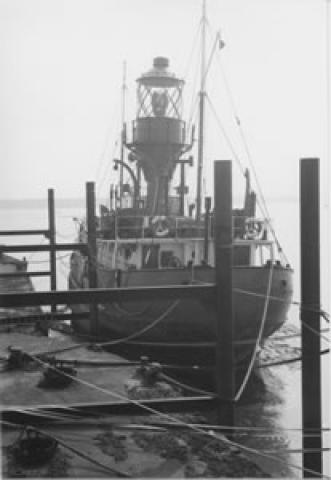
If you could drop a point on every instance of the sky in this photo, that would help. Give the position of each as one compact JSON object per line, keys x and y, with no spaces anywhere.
{"x":61,"y":64}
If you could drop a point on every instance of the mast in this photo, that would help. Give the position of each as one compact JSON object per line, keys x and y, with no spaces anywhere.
{"x":122,"y":132}
{"x":202,"y":95}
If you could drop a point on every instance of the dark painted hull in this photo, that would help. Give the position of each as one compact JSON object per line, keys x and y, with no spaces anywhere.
{"x":186,"y":328}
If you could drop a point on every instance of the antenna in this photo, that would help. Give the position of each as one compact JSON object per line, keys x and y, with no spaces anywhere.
{"x":202,"y":95}
{"x":122,"y":131}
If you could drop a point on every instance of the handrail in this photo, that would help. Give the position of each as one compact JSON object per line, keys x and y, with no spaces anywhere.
{"x":179,"y":227}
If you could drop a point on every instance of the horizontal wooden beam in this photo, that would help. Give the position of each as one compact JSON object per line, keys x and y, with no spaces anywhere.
{"x":58,"y":316}
{"x":43,"y":273}
{"x":7,"y":233}
{"x":106,"y":295}
{"x":171,"y":405}
{"x":42,"y":248}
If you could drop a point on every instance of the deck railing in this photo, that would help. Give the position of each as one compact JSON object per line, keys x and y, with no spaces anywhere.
{"x":139,"y":226}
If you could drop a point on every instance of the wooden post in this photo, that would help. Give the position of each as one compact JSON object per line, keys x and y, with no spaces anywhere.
{"x":52,"y":242}
{"x":310,"y":298}
{"x":182,"y":189}
{"x":225,"y":372}
{"x":206,"y":230}
{"x":138,"y":175}
{"x":92,"y":252}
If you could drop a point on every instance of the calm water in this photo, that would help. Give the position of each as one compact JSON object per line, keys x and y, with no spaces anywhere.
{"x":279,"y":407}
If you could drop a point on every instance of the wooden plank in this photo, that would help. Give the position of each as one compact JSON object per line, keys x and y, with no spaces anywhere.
{"x":9,"y":233}
{"x":43,"y":273}
{"x":225,"y":378}
{"x":42,"y":248}
{"x":107,"y":295}
{"x":58,"y":316}
{"x":310,"y":298}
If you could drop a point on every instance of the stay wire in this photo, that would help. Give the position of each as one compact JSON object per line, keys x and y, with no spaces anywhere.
{"x":108,"y":166}
{"x":227,"y":139}
{"x":194,"y":44}
{"x":264,"y":207}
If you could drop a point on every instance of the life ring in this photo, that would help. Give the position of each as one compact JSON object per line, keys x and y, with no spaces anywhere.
{"x":254,"y":229}
{"x":160,"y":226}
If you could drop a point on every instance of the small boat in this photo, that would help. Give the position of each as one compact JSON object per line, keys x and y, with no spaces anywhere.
{"x":151,"y":238}
{"x":14,"y":278}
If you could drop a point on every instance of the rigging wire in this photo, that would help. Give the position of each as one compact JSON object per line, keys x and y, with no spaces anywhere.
{"x":108,"y":166}
{"x":109,"y":134}
{"x":226,"y":137}
{"x":261,"y":199}
{"x":194,"y":44}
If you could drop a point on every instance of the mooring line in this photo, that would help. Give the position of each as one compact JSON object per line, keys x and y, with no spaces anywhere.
{"x":176,"y":420}
{"x":119,"y":340}
{"x":289,"y":360}
{"x":112,"y":470}
{"x":258,"y":339}
{"x":322,"y":312}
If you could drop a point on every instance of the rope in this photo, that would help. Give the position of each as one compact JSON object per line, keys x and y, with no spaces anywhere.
{"x":290,"y":360}
{"x":315,"y":331}
{"x":241,"y":428}
{"x":322,"y":312}
{"x":258,"y":339}
{"x":120,"y":340}
{"x":184,"y":386}
{"x":180,"y":422}
{"x":143,"y":330}
{"x":72,"y":449}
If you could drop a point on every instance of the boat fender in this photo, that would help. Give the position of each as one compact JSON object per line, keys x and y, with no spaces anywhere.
{"x":254,"y":229}
{"x":160,"y":226}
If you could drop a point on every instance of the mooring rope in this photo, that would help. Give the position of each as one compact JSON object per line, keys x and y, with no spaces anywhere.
{"x":61,"y":442}
{"x":119,"y":340}
{"x":289,"y":360}
{"x":184,"y":386}
{"x":210,"y":434}
{"x":309,"y":308}
{"x":258,"y":338}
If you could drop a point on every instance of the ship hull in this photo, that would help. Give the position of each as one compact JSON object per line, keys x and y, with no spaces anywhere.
{"x":185,"y":329}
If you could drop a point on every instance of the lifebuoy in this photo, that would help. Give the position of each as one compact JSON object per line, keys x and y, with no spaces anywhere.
{"x":254,"y":229}
{"x":160,"y":226}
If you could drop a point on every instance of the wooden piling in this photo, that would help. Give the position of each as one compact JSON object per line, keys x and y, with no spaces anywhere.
{"x":92,"y":252}
{"x":310,"y":299}
{"x":225,"y":376}
{"x":52,"y":242}
{"x":206,"y":230}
